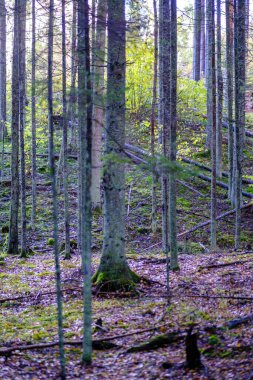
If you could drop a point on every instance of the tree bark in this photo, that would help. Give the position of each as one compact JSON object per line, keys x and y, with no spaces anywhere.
{"x":15,"y":188}
{"x":239,"y":62}
{"x":211,"y":88}
{"x":2,"y":79}
{"x":53,"y":183}
{"x":219,"y":95}
{"x":85,"y":161}
{"x":98,"y":104}
{"x":173,"y":139}
{"x":33,"y":104}
{"x":113,"y":272}
{"x":65,"y":134}
{"x":197,"y":40}
{"x":22,"y":100}
{"x":230,"y":92}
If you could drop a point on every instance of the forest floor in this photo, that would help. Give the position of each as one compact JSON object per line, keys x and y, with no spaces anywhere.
{"x":207,"y":293}
{"x":212,"y":292}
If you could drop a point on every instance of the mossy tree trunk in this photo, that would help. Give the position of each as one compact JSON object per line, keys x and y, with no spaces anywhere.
{"x":113,"y":271}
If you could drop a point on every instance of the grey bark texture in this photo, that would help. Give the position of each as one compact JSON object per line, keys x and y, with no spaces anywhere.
{"x":98,"y":103}
{"x":239,"y":62}
{"x":53,"y":184}
{"x":85,"y":133}
{"x":197,"y":40}
{"x":15,"y":187}
{"x":113,"y":270}
{"x":230,"y":91}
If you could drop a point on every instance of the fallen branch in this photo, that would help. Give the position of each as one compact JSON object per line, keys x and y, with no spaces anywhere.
{"x":206,"y":223}
{"x":220,"y":265}
{"x":98,"y":344}
{"x":239,"y":321}
{"x":202,"y":166}
{"x":158,"y":342}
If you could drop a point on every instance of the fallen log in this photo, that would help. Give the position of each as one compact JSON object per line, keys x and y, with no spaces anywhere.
{"x":220,"y":265}
{"x":158,"y":342}
{"x":100,"y":344}
{"x":239,"y":321}
{"x":202,"y":166}
{"x":206,"y":223}
{"x":222,"y":184}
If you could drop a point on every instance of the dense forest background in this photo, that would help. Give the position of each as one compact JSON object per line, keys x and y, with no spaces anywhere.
{"x":126,"y":189}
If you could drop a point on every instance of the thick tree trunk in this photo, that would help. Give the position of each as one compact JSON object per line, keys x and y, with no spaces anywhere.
{"x":53,"y":183}
{"x":113,"y":272}
{"x":13,"y":230}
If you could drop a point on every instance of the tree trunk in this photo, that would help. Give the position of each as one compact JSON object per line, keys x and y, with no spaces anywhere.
{"x":173,"y":138}
{"x":219,"y":95}
{"x":13,"y":229}
{"x":2,"y":79}
{"x":98,"y":104}
{"x":165,"y":112}
{"x":153,"y":123}
{"x":85,"y":133}
{"x":33,"y":103}
{"x":113,"y":272}
{"x":230,"y":92}
{"x":211,"y":88}
{"x":65,"y":135}
{"x":196,"y":40}
{"x":239,"y":62}
{"x":72,"y":95}
{"x":53,"y":183}
{"x":22,"y":100}
{"x":203,"y":40}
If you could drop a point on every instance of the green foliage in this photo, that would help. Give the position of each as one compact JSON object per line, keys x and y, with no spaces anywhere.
{"x":50,"y":242}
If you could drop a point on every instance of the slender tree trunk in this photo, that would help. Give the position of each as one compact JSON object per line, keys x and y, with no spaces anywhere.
{"x":153,"y":123}
{"x":230,"y":91}
{"x":72,"y":95}
{"x":211,"y":88}
{"x":65,"y":135}
{"x":173,"y":138}
{"x":22,"y":100}
{"x":14,"y":206}
{"x":219,"y":94}
{"x":113,"y":272}
{"x":196,"y":40}
{"x":98,"y":104}
{"x":85,"y":133}
{"x":165,"y":36}
{"x":33,"y":103}
{"x":53,"y":183}
{"x":2,"y":79}
{"x":239,"y":57}
{"x":203,"y":40}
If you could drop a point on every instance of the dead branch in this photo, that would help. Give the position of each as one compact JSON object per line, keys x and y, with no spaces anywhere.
{"x":206,"y":223}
